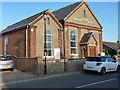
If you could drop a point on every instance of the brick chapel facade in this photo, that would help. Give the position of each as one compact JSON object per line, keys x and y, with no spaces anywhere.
{"x":73,"y":31}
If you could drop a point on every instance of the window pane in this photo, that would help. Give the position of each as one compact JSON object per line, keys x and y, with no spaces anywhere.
{"x":103,"y":59}
{"x":72,"y":32}
{"x":73,"y":44}
{"x":48,"y":38}
{"x":72,"y":37}
{"x":49,"y":53}
{"x":48,"y":32}
{"x":73,"y":50}
{"x":6,"y":40}
{"x":109,"y":60}
{"x":48,"y":45}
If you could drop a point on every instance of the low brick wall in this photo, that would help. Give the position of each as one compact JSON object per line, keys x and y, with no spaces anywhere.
{"x":75,"y":64}
{"x":36,"y":65}
{"x":26,"y":64}
{"x":55,"y":66}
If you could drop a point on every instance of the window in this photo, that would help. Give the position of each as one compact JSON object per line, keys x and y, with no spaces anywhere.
{"x":5,"y":58}
{"x":6,"y":45}
{"x":84,"y":13}
{"x":48,"y":43}
{"x":103,"y":59}
{"x":73,"y":42}
{"x":110,"y":60}
{"x":48,"y":21}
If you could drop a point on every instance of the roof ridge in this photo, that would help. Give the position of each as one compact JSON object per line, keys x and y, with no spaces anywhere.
{"x":63,"y":12}
{"x":66,"y":6}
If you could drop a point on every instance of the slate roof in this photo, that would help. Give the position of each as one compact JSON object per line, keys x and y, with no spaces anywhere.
{"x":60,"y":14}
{"x":23,"y":23}
{"x":112,"y":45}
{"x":86,"y":37}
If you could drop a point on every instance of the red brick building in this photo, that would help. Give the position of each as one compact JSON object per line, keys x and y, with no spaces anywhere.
{"x":72,"y":31}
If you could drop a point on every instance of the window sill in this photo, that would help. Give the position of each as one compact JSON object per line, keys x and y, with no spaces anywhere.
{"x":48,"y":56}
{"x":73,"y":54}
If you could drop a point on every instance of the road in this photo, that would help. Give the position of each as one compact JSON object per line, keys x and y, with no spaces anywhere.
{"x":77,"y":79}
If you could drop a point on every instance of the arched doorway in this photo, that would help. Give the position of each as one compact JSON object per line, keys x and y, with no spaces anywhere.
{"x":83,"y":51}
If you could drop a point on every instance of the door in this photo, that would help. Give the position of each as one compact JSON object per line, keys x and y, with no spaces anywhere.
{"x":92,"y":50}
{"x":83,"y":50}
{"x":57,"y":53}
{"x":111,"y":65}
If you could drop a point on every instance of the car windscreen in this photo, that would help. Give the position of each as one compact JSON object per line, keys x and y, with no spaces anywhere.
{"x":97,"y":59}
{"x":5,"y":58}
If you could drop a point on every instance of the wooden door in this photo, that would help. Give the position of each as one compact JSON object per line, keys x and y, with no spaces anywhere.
{"x":92,"y":50}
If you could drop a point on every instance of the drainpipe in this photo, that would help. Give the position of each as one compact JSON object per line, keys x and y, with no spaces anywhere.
{"x":26,"y":40}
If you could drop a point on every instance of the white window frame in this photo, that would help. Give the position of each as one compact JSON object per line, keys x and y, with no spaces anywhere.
{"x":49,"y":42}
{"x":73,"y":41}
{"x":6,"y":45}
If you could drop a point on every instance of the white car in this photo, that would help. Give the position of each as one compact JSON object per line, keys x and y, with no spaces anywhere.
{"x":6,"y":62}
{"x":101,"y":64}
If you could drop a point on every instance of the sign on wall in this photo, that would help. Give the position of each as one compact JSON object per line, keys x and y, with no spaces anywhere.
{"x":57,"y":53}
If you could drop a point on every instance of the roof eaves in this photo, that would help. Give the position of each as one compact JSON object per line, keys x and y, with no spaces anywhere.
{"x":56,"y":19}
{"x":14,"y":28}
{"x":84,"y":43}
{"x":39,"y":16}
{"x":109,"y":46}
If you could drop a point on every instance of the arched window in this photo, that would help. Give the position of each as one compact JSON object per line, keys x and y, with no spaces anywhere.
{"x":73,"y":42}
{"x":84,"y":13}
{"x":48,"y":21}
{"x":48,"y":43}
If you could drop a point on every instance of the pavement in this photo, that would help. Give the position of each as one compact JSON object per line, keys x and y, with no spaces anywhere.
{"x":73,"y":79}
{"x":8,"y":76}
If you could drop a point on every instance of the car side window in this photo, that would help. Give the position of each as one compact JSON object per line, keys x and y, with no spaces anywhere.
{"x":110,"y":60}
{"x":103,"y":59}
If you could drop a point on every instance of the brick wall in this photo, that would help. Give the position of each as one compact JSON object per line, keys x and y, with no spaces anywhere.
{"x":16,"y":43}
{"x":28,"y":64}
{"x":101,"y":43}
{"x":3,"y":43}
{"x":0,"y":43}
{"x":36,"y":65}
{"x":75,"y":64}
{"x":55,"y":66}
{"x":32,"y":42}
{"x":67,"y":43}
{"x":79,"y":38}
{"x":60,"y":44}
{"x":80,"y":27}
